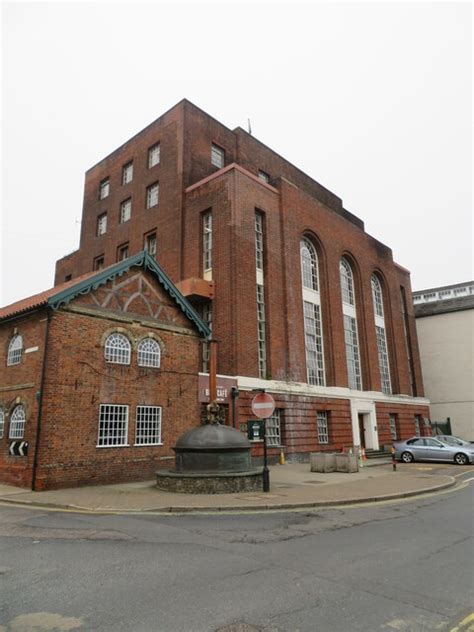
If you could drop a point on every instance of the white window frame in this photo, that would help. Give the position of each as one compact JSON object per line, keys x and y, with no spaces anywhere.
{"x":101,"y":224}
{"x":148,"y":241}
{"x":104,"y":189}
{"x":152,"y":195}
{"x":154,"y":155}
{"x":122,"y":249}
{"x":351,"y":334}
{"x":263,"y":175}
{"x":273,"y":429}
{"x":393,"y":426}
{"x":207,"y":245}
{"x":312,"y":321}
{"x":125,"y":210}
{"x":2,"y":422}
{"x":261,"y":332}
{"x":99,"y":263}
{"x":107,"y":439}
{"x":17,"y":422}
{"x":381,"y":335}
{"x":148,"y":425}
{"x":217,"y":156}
{"x":117,"y":349}
{"x":418,"y":421}
{"x":127,"y":173}
{"x":322,"y":427}
{"x":15,"y":350}
{"x":150,"y":358}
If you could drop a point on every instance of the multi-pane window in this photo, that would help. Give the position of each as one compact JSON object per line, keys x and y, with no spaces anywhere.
{"x":122,"y":253}
{"x":17,"y":422}
{"x":259,"y":240}
{"x":322,"y":424}
{"x":206,"y":313}
{"x":261,"y":332}
{"x":99,"y":262}
{"x":104,"y":188}
{"x":418,"y":421}
{"x":207,"y":244}
{"x":102,"y":224}
{"x":149,"y":353}
{"x":384,"y":367}
{"x":152,"y":194}
{"x":351,"y":337}
{"x":150,"y":244}
{"x":273,"y":428}
{"x":377,"y":297}
{"x":125,"y":210}
{"x":2,"y":422}
{"x":217,"y":156}
{"x":113,"y":425}
{"x":264,"y":176}
{"x":154,"y":155}
{"x":393,"y":426}
{"x":148,"y":425}
{"x":127,"y":173}
{"x":117,"y":349}
{"x":312,"y":314}
{"x":15,"y":349}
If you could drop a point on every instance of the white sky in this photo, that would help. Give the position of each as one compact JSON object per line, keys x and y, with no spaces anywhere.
{"x":373,"y":100}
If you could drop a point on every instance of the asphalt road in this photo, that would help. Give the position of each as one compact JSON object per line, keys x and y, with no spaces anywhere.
{"x":396,"y":567}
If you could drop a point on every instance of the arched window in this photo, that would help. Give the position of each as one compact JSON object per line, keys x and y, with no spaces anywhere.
{"x":148,"y":353}
{"x":377,"y":299}
{"x":15,"y":349}
{"x":17,"y":422}
{"x":313,"y":329}
{"x":2,"y":422}
{"x":350,"y":325}
{"x":117,"y":349}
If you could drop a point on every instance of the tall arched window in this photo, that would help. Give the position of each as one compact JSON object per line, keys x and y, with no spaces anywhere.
{"x":148,"y":353}
{"x":2,"y":421}
{"x":17,"y":422}
{"x":117,"y":349}
{"x":377,"y":299}
{"x":350,"y":325}
{"x":313,"y":330}
{"x":15,"y":349}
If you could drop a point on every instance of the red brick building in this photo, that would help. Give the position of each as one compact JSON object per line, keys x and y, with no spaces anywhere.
{"x":99,"y":378}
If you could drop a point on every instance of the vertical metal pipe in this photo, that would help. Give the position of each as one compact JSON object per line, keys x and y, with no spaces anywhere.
{"x":212,"y":371}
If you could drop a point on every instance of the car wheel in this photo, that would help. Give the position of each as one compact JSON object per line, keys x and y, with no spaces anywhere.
{"x":407,"y":457}
{"x":461,"y":459}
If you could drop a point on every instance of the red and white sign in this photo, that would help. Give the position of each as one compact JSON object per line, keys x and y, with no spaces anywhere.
{"x":224,"y":387}
{"x":263,"y":405}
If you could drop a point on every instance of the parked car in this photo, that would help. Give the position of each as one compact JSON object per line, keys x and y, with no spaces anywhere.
{"x":431,"y":449}
{"x":452,"y":440}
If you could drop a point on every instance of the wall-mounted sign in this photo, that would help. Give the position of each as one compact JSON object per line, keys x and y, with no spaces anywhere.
{"x":18,"y":448}
{"x":224,"y":386}
{"x":255,"y":429}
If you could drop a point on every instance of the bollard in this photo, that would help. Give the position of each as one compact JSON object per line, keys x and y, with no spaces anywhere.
{"x":394,"y":461}
{"x":282,"y":458}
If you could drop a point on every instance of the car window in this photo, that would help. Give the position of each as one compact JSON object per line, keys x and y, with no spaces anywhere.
{"x":415,"y":442}
{"x":433,"y":442}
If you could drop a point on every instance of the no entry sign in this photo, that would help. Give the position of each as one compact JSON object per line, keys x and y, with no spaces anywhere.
{"x":263,"y":405}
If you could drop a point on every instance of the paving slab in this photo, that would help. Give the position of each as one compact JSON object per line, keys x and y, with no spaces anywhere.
{"x":292,"y":486}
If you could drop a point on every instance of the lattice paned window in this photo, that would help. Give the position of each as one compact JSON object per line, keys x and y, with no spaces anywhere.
{"x":152,"y":195}
{"x":149,"y":353}
{"x":261,"y":332}
{"x":113,"y":425}
{"x":206,"y":313}
{"x":150,"y":244}
{"x":117,"y":349}
{"x":127,"y":173}
{"x":418,"y":421}
{"x":377,"y":296}
{"x":104,"y":189}
{"x":309,"y":265}
{"x":154,"y":155}
{"x":314,"y":344}
{"x":15,"y":350}
{"x":217,"y":156}
{"x":17,"y":422}
{"x":273,"y":428}
{"x":102,"y":224}
{"x":347,"y":282}
{"x":2,"y":422}
{"x":259,"y":240}
{"x":125,"y":210}
{"x":148,"y":425}
{"x":393,"y":426}
{"x":383,"y":360}
{"x":352,"y":352}
{"x":207,"y":241}
{"x":323,"y":430}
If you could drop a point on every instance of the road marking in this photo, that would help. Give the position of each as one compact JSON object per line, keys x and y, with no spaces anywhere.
{"x":462,"y":625}
{"x":467,"y":480}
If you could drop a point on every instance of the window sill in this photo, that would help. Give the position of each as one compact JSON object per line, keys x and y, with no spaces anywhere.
{"x":146,"y":445}
{"x":119,"y":445}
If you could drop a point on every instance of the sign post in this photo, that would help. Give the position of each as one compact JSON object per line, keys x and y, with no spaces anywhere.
{"x":263,"y":406}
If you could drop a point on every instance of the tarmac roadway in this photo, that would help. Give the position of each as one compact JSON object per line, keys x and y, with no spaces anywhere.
{"x":403,"y":564}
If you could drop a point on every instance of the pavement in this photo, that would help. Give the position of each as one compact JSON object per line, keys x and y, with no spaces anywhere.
{"x":291,"y":486}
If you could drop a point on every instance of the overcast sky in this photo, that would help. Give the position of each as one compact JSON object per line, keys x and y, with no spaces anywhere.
{"x":373,"y":100}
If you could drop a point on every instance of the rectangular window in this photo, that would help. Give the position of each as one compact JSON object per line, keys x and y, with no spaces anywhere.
{"x":261,"y":332}
{"x":113,"y":425}
{"x":152,"y":194}
{"x":98,"y":263}
{"x":273,"y":429}
{"x":150,"y":244}
{"x":217,"y":156}
{"x":323,"y":431}
{"x":125,"y":210}
{"x":148,"y":425}
{"x":2,"y":422}
{"x":352,"y":352}
{"x":259,"y":240}
{"x":264,"y":176}
{"x":393,"y":426}
{"x":314,"y":343}
{"x":154,"y":156}
{"x":104,"y":189}
{"x":207,"y":245}
{"x":102,"y":224}
{"x":122,"y":252}
{"x":383,"y":359}
{"x":418,"y":422}
{"x":127,"y":173}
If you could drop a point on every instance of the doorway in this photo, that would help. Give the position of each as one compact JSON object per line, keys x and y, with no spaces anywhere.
{"x":362,"y":417}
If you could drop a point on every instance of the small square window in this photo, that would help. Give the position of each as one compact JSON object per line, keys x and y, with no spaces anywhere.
{"x":264,"y":176}
{"x":322,"y":425}
{"x":154,"y":156}
{"x":152,"y":194}
{"x":150,"y":244}
{"x":102,"y":224}
{"x":122,"y":252}
{"x":125,"y":210}
{"x":127,"y":173}
{"x":217,"y":156}
{"x":104,"y":189}
{"x":68,"y":277}
{"x":99,"y":262}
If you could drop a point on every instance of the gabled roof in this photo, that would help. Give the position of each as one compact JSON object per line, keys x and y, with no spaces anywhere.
{"x":64,"y":293}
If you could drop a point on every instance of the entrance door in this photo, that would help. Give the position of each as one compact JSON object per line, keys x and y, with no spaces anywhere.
{"x":361,"y":430}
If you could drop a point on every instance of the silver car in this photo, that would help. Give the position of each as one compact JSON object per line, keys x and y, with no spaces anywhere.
{"x":453,"y":440}
{"x":431,"y":449}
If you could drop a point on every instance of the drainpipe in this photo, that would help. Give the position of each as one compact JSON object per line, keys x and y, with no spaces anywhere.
{"x":40,"y":403}
{"x":234,"y":393}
